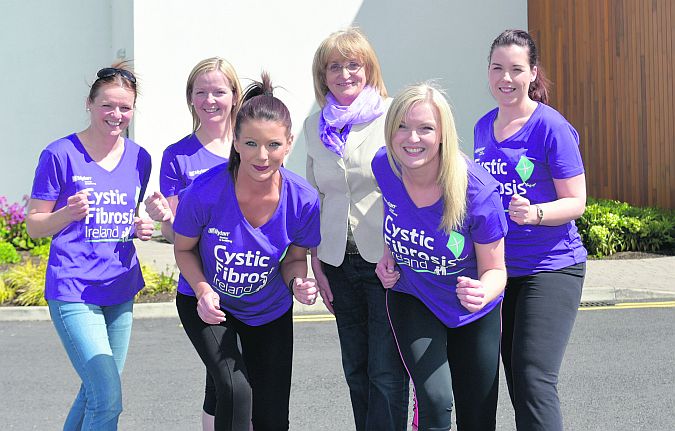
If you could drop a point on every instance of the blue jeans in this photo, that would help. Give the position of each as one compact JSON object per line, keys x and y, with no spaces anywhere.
{"x":96,"y":339}
{"x":377,"y":380}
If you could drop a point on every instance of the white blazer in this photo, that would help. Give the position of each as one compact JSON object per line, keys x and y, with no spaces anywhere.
{"x":348,"y":190}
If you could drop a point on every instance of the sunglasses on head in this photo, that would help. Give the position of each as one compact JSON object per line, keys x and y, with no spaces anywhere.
{"x":108,"y":72}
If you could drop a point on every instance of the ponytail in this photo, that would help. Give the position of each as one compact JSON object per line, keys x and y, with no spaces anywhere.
{"x":539,"y":88}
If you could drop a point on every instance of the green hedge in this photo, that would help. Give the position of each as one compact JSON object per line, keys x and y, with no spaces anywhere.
{"x":608,"y":227}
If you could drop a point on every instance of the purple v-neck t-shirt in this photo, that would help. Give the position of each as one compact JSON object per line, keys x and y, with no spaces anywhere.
{"x":184,"y":161}
{"x":546,"y":147}
{"x":93,"y":260}
{"x":240,"y":262}
{"x":428,"y":259}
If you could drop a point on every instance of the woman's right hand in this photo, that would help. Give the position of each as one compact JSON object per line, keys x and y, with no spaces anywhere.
{"x":158,"y":207}
{"x":322,"y":284}
{"x":385,"y":270}
{"x":208,"y":308}
{"x":77,"y":205}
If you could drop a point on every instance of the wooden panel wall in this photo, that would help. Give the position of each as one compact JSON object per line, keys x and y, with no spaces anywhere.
{"x":612,"y":64}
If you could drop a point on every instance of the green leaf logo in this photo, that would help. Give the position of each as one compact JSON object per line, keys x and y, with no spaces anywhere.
{"x":456,"y":244}
{"x":525,"y":168}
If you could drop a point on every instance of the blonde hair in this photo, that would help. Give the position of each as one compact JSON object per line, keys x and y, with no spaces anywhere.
{"x":208,"y":65}
{"x":350,"y":44}
{"x":452,"y":177}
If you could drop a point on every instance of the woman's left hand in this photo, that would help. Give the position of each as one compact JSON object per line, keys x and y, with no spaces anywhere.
{"x":471,"y":294}
{"x":305,"y":290}
{"x":521,"y":212}
{"x":144,"y":228}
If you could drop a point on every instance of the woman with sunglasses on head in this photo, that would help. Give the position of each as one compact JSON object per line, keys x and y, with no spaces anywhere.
{"x":342,"y":139}
{"x":86,"y":193}
{"x":534,"y":153}
{"x":242,"y":231}
{"x":213,"y":97}
{"x":444,"y":233}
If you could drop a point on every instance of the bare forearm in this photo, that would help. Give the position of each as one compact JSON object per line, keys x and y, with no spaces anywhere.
{"x":293,"y":268}
{"x":167,"y":230}
{"x":493,"y":281}
{"x":190,"y":266}
{"x":39,"y":225}
{"x":562,"y":210}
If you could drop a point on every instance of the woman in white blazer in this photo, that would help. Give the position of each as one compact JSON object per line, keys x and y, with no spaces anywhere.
{"x":342,"y":139}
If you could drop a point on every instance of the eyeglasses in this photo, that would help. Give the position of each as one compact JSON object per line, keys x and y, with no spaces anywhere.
{"x":352,"y":67}
{"x":107,"y":72}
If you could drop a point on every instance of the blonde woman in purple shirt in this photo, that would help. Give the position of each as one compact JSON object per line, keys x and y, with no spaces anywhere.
{"x":86,"y":193}
{"x":213,"y":94}
{"x":443,"y":262}
{"x":533,"y":152}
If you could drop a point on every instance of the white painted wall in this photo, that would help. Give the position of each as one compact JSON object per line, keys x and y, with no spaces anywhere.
{"x":50,"y":52}
{"x":446,"y":40}
{"x":53,"y":63}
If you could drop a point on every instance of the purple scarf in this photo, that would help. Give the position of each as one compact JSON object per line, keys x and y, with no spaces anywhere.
{"x":336,"y":120}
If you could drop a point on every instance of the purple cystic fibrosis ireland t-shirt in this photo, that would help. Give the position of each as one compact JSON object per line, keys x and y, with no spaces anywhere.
{"x":93,"y":260}
{"x":429,"y":259}
{"x":546,"y":147}
{"x":184,"y":161}
{"x":241,"y":262}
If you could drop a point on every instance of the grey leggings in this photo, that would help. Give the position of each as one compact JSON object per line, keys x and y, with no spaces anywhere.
{"x":442,"y":360}
{"x":538,"y":314}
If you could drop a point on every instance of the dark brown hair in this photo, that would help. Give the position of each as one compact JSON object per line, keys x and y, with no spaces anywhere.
{"x":259,"y":103}
{"x":539,"y":88}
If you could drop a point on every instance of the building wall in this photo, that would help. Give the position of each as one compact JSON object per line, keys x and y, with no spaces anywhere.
{"x":432,"y":39}
{"x":50,"y":53}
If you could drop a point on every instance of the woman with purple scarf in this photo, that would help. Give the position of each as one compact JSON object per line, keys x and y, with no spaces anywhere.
{"x":342,"y":139}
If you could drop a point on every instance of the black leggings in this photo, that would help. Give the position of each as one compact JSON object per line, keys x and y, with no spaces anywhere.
{"x":442,"y":360}
{"x":245,"y":362}
{"x":537,"y":317}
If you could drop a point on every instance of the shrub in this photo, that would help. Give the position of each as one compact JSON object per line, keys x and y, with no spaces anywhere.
{"x":28,"y":282}
{"x":6,"y":293}
{"x":608,"y":227}
{"x":156,"y":283}
{"x":42,"y":250}
{"x":8,"y":253}
{"x":24,"y":284}
{"x":13,"y":225}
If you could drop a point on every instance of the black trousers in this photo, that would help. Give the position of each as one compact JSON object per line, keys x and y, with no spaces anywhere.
{"x":537,"y":319}
{"x":442,"y":361}
{"x":250,"y":367}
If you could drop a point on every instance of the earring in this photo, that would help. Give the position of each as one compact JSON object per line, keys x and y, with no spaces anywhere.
{"x":88,"y":109}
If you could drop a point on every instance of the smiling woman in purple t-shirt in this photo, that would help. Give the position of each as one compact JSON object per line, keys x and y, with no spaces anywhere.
{"x":242,"y":231}
{"x":85,"y":195}
{"x":213,"y":94}
{"x":443,"y":262}
{"x":533,"y":152}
